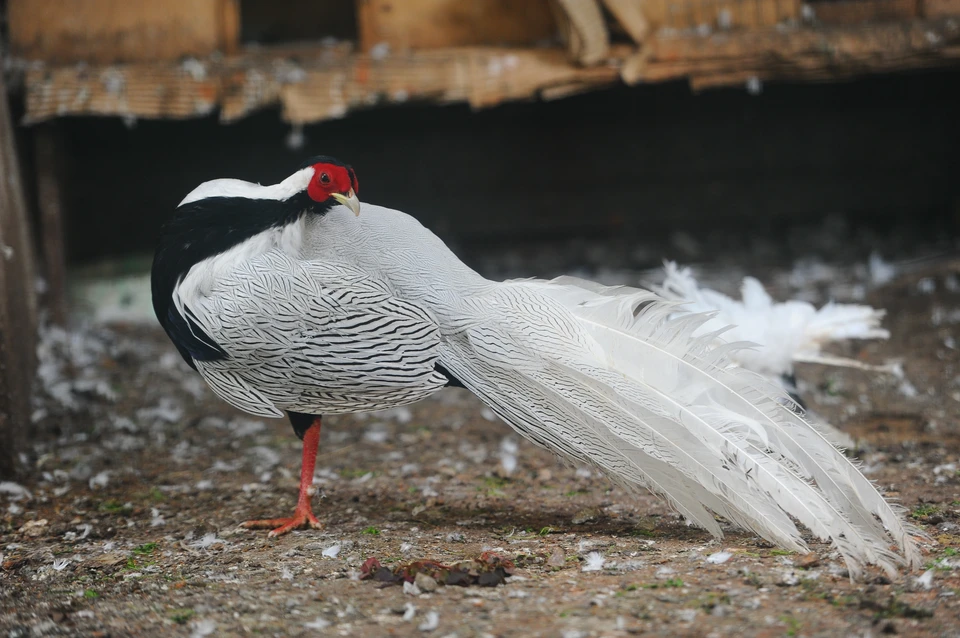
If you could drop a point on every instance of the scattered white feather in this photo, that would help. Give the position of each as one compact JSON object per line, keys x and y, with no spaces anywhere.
{"x":245,"y":427}
{"x":719,"y":558}
{"x":100,"y":480}
{"x":411,"y":589}
{"x":208,"y":540}
{"x":409,"y":611}
{"x":925,"y":580}
{"x":377,"y":433}
{"x":431,"y":623}
{"x":264,"y":457}
{"x":203,"y":628}
{"x":405,"y":548}
{"x":594,"y":562}
{"x":508,"y":455}
{"x":881,"y":272}
{"x":952,"y":283}
{"x":286,"y":574}
{"x":332,"y":551}
{"x":318,"y":623}
{"x":156,"y":518}
{"x":401,"y":415}
{"x":787,"y":331}
{"x":927,"y":285}
{"x":60,"y":564}
{"x":906,"y":388}
{"x":15,"y":491}
{"x":168,"y":410}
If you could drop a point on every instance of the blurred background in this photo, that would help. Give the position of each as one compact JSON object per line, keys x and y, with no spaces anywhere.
{"x":812,"y":144}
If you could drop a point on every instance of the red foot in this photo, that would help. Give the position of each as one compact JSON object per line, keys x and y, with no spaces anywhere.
{"x":302,"y":518}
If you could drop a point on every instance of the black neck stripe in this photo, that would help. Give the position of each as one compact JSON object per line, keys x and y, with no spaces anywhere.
{"x":205,"y":228}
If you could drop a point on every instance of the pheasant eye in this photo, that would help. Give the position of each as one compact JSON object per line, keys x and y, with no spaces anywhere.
{"x":324,"y":178}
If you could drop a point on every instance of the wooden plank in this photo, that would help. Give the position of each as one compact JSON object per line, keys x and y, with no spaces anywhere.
{"x":47,"y":157}
{"x":168,"y":91}
{"x":18,"y":307}
{"x":941,"y":8}
{"x":629,"y":14}
{"x":835,"y":44}
{"x":864,"y":11}
{"x":108,"y":31}
{"x":405,"y":25}
{"x":680,"y":15}
{"x":583,"y":30}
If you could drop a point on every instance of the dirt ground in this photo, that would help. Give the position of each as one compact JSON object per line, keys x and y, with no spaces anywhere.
{"x":130,"y":526}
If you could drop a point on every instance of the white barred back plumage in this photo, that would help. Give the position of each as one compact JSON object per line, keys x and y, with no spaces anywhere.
{"x":315,"y":338}
{"x":343,"y":313}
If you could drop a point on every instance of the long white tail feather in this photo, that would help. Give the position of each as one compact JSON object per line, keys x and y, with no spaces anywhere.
{"x":536,"y":418}
{"x":712,"y":471}
{"x":616,"y":377}
{"x":798,"y":497}
{"x":788,"y":431}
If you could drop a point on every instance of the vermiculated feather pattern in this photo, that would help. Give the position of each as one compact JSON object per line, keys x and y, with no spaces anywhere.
{"x":311,"y":337}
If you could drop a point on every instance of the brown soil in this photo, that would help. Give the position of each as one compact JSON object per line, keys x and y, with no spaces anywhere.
{"x":130,"y":528}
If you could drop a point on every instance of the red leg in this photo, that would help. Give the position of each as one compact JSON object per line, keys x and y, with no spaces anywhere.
{"x":303,"y":515}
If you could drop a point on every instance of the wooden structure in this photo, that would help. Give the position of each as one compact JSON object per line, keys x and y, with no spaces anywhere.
{"x":481,"y":52}
{"x":321,"y":59}
{"x":18,"y":302}
{"x":107,"y":31}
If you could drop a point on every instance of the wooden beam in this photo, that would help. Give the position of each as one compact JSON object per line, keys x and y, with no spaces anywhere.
{"x":108,"y":31}
{"x":413,"y":25}
{"x":315,"y":82}
{"x":18,"y":305}
{"x":583,"y":30}
{"x":47,"y":155}
{"x":629,"y":13}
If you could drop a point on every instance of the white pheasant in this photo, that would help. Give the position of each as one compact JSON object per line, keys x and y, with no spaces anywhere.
{"x":289,"y":298}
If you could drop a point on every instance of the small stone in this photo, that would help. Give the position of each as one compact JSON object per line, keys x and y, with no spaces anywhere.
{"x":585,"y":515}
{"x":557,"y":559}
{"x":33,"y":528}
{"x":425,"y":582}
{"x":544,"y":475}
{"x":808,"y":560}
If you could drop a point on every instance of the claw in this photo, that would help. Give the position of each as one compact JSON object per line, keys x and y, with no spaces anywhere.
{"x":301,"y":519}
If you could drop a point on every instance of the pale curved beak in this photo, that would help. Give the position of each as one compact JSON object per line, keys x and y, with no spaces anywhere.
{"x":349,"y":200}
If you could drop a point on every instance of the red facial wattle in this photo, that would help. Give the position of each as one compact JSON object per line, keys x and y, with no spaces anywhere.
{"x":329,"y":179}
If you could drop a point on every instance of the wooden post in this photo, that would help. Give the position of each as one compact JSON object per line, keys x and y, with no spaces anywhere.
{"x":48,"y":150}
{"x":18,"y":302}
